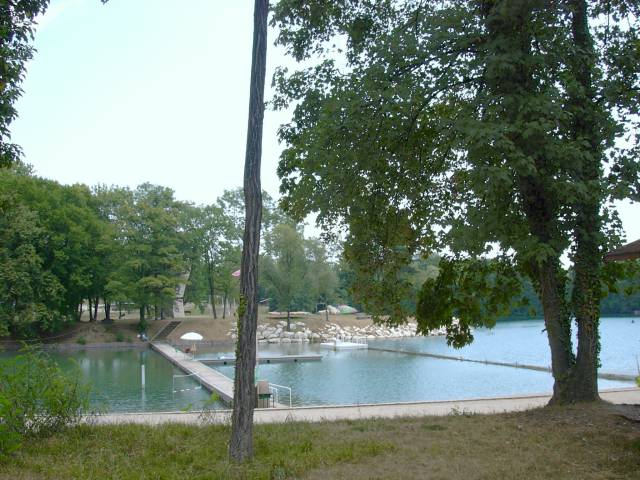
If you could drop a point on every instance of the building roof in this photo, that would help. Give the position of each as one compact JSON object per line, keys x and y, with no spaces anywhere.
{"x":629,"y":251}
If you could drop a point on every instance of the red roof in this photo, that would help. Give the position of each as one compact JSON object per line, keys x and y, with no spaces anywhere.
{"x":629,"y":251}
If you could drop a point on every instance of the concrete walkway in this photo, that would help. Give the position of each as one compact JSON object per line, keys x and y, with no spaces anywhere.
{"x":354,"y":412}
{"x":211,"y":379}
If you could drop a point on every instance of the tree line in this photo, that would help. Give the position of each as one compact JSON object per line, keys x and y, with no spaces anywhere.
{"x":66,"y":249}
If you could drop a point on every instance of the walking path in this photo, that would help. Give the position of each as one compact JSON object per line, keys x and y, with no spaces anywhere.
{"x":211,"y":379}
{"x":354,"y":412}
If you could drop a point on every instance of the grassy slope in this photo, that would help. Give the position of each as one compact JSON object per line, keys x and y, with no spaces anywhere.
{"x":586,"y":442}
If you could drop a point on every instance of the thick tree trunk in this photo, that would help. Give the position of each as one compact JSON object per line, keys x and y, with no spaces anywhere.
{"x":587,"y":124}
{"x":510,"y":34}
{"x":550,"y":286}
{"x":241,"y":442}
{"x":288,"y":319}
{"x":107,"y":311}
{"x":91,"y":317}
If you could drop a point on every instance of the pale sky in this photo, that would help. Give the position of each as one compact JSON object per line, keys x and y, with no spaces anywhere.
{"x":152,"y":91}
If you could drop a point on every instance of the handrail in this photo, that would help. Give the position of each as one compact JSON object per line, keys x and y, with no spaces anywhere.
{"x":276,"y":387}
{"x":173,"y":385}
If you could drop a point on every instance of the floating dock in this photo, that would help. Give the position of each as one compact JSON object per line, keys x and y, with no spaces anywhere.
{"x":343,"y":345}
{"x":212,"y":380}
{"x":262,"y":359}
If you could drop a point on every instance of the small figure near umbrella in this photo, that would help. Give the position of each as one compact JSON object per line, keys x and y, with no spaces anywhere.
{"x":191,"y":336}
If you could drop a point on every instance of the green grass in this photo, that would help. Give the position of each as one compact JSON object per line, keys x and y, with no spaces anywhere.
{"x":586,"y":442}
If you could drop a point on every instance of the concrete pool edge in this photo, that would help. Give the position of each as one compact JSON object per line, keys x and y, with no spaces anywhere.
{"x":356,"y":412}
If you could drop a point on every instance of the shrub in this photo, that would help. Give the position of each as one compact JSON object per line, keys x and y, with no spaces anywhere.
{"x":37,"y":398}
{"x":81,"y":341}
{"x":119,"y":337}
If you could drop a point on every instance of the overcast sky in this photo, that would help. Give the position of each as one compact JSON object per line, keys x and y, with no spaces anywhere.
{"x":152,"y":91}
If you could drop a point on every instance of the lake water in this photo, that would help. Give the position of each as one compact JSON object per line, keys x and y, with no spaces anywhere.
{"x":116,"y":380}
{"x":368,"y":376}
{"x":359,"y":376}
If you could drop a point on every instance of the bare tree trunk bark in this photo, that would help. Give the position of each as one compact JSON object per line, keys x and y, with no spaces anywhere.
{"x":241,"y":442}
{"x":91,"y":319}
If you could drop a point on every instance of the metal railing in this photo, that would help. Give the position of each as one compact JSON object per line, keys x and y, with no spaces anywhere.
{"x":196,"y":375}
{"x":356,"y":340}
{"x":274,"y":389}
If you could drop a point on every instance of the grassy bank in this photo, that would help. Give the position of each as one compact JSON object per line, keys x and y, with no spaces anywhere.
{"x":586,"y":442}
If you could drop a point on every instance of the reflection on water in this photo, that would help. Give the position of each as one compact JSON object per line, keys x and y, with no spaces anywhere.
{"x":116,"y":380}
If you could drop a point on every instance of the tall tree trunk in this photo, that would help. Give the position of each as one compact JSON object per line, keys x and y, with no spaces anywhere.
{"x":510,"y":37}
{"x":142,"y":323}
{"x":288,"y":318}
{"x":224,"y":305}
{"x":91,"y":318}
{"x":107,"y":311}
{"x":241,"y":442}
{"x":587,"y":124}
{"x":550,"y":287}
{"x":212,"y":293}
{"x":95,"y":309}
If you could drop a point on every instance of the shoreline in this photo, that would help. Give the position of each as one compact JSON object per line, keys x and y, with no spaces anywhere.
{"x":473,"y":406}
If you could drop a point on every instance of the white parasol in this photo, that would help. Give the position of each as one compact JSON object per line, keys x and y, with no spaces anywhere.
{"x":191,"y":336}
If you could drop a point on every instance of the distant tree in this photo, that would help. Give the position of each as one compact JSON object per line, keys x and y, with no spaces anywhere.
{"x":56,"y":234}
{"x":29,"y":292}
{"x":153,"y":264}
{"x":17,"y":24}
{"x":321,"y":277}
{"x":285,"y":267}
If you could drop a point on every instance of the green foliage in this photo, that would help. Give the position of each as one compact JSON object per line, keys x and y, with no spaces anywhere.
{"x":81,"y":341}
{"x":476,"y":293}
{"x":449,"y":126}
{"x":285,"y":268}
{"x":296,"y":272}
{"x":47,"y":249}
{"x":37,"y":398}
{"x":17,"y":24}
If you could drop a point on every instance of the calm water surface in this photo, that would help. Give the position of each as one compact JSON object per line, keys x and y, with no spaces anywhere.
{"x":116,"y":380}
{"x":361,"y":376}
